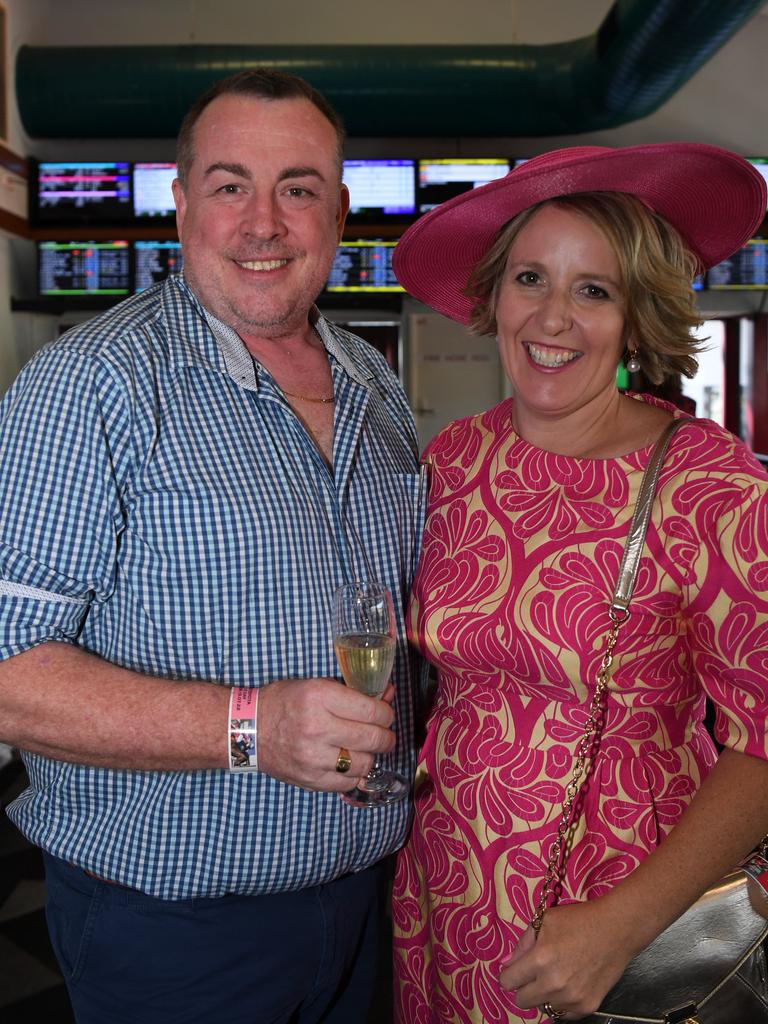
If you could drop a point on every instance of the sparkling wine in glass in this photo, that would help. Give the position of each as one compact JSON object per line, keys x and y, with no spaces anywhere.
{"x":364,"y":641}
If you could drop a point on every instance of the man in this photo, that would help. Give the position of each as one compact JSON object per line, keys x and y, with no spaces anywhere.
{"x":185,"y":481}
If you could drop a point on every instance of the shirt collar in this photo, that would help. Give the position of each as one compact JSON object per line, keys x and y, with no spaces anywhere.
{"x":238,"y":362}
{"x":333,"y":338}
{"x":189,"y":338}
{"x":203,"y":339}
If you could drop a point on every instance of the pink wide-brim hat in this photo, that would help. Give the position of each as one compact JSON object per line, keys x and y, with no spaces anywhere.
{"x":714,"y":198}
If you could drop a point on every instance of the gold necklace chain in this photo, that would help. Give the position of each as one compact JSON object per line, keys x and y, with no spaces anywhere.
{"x":306,"y":398}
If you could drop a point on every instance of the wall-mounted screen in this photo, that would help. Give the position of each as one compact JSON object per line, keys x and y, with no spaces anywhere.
{"x":439,"y":180}
{"x":83,"y":268}
{"x":760,"y":163}
{"x":363,"y":266}
{"x":747,"y":268}
{"x":153,"y":262}
{"x":152,"y":194}
{"x":380,"y":188}
{"x":82,"y":192}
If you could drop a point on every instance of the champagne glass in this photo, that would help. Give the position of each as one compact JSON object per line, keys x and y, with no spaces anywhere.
{"x":364,"y":641}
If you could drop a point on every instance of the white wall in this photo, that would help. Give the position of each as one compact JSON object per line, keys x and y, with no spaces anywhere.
{"x":78,"y":22}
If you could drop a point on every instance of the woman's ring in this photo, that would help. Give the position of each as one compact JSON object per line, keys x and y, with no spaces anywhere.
{"x":552,"y":1013}
{"x":343,"y":761}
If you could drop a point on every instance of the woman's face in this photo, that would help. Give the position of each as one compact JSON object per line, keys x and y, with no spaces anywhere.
{"x":560,"y":314}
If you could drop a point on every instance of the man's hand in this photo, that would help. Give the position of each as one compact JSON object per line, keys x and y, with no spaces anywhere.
{"x":302,"y":724}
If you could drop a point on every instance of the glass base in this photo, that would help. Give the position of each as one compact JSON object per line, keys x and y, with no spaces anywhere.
{"x":376,"y":790}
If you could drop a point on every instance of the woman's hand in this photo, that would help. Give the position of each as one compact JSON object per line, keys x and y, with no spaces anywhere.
{"x":583,"y":948}
{"x":580,"y":954}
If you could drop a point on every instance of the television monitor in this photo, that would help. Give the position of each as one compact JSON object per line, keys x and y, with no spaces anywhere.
{"x":760,"y":163}
{"x":153,"y":262}
{"x":152,"y":194}
{"x":82,"y":192}
{"x":380,"y":188}
{"x":439,"y":180}
{"x":747,"y":268}
{"x":83,"y":268}
{"x":363,"y":266}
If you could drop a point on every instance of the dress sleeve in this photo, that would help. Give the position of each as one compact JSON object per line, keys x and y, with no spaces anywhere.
{"x":728,"y":611}
{"x":60,"y":505}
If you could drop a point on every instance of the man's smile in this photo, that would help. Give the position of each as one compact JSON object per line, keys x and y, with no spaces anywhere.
{"x":261,"y":264}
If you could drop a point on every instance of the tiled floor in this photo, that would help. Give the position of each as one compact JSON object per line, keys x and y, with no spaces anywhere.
{"x":31,"y":987}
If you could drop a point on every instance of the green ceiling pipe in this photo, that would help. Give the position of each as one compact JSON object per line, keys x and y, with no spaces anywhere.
{"x":642,"y":53}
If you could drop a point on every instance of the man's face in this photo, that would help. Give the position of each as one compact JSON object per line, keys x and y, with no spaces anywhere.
{"x":262,"y":212}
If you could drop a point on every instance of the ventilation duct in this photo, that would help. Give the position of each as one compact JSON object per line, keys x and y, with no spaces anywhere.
{"x":643,"y":52}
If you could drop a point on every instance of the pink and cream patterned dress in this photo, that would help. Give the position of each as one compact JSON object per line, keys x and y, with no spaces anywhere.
{"x":520,"y":557}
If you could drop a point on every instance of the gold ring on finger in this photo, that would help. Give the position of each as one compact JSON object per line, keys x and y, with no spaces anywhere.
{"x":343,"y":761}
{"x":552,"y":1013}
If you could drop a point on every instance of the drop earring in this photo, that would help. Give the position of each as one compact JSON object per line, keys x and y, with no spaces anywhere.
{"x":633,"y":363}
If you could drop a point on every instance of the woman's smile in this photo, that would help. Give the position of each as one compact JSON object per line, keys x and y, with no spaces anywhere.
{"x":548,"y":357}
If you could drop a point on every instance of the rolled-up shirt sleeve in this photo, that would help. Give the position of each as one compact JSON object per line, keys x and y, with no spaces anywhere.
{"x":63,"y":433}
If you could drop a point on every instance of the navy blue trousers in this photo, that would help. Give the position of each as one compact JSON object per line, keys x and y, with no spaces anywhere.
{"x":291,"y":958}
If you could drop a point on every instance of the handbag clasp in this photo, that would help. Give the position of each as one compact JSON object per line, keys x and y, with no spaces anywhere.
{"x":687,"y":1014}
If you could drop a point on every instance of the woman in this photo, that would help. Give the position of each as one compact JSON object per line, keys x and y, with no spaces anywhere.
{"x":574,"y":259}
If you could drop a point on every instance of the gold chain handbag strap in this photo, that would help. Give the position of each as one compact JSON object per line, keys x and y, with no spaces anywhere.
{"x":619,"y":613}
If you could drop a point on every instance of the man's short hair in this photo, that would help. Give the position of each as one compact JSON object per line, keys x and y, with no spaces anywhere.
{"x":260,"y":83}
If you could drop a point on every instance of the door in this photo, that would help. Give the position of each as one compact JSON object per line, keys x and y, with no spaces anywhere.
{"x":451,"y":373}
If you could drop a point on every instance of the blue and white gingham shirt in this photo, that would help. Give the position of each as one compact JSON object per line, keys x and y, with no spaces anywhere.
{"x":162,"y":506}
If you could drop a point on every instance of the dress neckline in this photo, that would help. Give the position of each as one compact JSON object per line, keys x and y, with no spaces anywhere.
{"x":636,"y":456}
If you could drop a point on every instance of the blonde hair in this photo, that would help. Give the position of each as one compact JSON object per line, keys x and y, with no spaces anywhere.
{"x":657,"y":271}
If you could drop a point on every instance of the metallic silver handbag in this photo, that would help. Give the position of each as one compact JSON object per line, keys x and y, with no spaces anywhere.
{"x":708,"y":966}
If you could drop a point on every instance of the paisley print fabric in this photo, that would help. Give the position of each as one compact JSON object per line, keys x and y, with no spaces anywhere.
{"x":520,"y":556}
